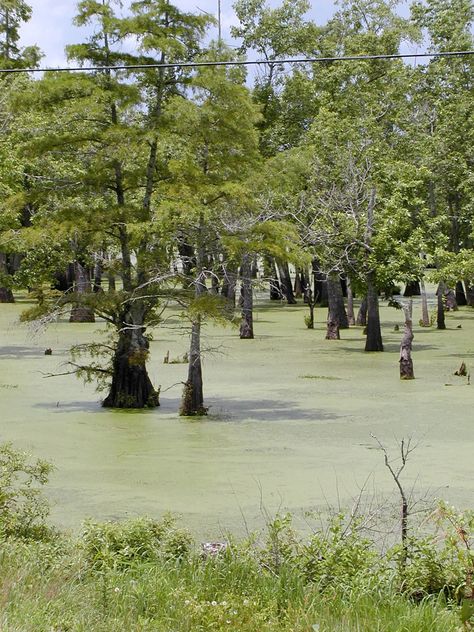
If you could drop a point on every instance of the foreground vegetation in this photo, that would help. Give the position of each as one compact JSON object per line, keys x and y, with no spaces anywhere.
{"x":145,"y":574}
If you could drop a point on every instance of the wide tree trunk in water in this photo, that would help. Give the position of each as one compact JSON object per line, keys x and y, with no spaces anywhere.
{"x":246,"y":324}
{"x":6,"y":295}
{"x":440,"y":322}
{"x":425,"y":316}
{"x":460,"y":296}
{"x":361,"y":319}
{"x":350,"y":303}
{"x":332,"y":328}
{"x":131,"y":386}
{"x":336,"y":301}
{"x":81,"y":313}
{"x":406,"y":362}
{"x":285,"y":282}
{"x":374,"y":335}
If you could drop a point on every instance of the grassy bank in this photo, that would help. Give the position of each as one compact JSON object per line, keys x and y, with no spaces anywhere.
{"x":145,"y":575}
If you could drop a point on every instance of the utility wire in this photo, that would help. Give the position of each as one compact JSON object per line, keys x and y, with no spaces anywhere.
{"x":259,"y":62}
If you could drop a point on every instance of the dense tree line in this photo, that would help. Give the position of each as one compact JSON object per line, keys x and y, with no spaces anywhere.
{"x":124,"y":190}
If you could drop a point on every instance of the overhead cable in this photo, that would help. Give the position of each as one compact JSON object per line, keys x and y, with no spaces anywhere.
{"x":258,"y":62}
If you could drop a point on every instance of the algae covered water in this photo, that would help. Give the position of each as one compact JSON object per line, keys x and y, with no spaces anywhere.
{"x":290,"y":423}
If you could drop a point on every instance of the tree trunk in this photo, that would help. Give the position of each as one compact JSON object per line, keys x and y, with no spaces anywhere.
{"x":469,"y":293}
{"x":298,"y":286}
{"x":450,"y":301}
{"x":374,"y":335}
{"x":228,"y":284}
{"x":336,"y":301}
{"x":111,"y":279}
{"x":425,"y":316}
{"x":6,"y":295}
{"x":332,"y":328}
{"x":412,"y":289}
{"x":406,"y":362}
{"x":188,"y":259}
{"x":310,"y":302}
{"x":81,"y":313}
{"x":98,"y":277}
{"x":440,"y":321}
{"x":246,"y":325}
{"x":350,"y":302}
{"x":460,"y":296}
{"x":274,"y":283}
{"x":192,"y":402}
{"x":285,"y":282}
{"x":361,"y":319}
{"x":131,"y":386}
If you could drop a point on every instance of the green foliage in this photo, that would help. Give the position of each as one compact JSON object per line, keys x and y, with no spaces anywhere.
{"x":339,"y":557}
{"x":23,"y":507}
{"x":120,"y":545}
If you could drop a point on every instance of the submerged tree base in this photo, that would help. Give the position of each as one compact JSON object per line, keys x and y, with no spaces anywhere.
{"x":132,"y":389}
{"x":191,"y":405}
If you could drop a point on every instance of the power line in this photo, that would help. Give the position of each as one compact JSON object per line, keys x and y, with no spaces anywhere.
{"x":258,"y":62}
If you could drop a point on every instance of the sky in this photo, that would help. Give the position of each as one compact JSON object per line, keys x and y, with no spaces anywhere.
{"x":51,"y":27}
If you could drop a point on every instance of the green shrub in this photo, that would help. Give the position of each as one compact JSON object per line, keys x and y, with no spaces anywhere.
{"x":23,"y":507}
{"x":339,"y":556}
{"x":118,"y":545}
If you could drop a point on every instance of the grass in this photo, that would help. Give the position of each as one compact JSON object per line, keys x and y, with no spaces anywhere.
{"x":49,"y":587}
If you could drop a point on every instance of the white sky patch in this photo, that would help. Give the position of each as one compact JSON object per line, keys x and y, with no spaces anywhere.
{"x":51,"y":26}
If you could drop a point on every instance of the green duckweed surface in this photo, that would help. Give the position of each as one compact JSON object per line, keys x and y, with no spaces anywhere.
{"x":290,"y":423}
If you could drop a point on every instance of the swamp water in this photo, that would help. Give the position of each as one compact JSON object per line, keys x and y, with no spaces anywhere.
{"x":290,"y":423}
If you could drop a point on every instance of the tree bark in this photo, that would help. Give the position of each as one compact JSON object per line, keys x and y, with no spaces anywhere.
{"x":246,"y":325}
{"x":350,"y":302}
{"x":406,"y":362}
{"x":469,"y":293}
{"x":274,"y":283}
{"x":229,"y":283}
{"x":361,"y":319}
{"x":412,"y":289}
{"x":425,"y":316}
{"x":298,"y":286}
{"x":192,"y":402}
{"x":6,"y":295}
{"x":81,"y":313}
{"x":336,"y":302}
{"x":440,"y":320}
{"x":374,"y":335}
{"x":285,"y":282}
{"x":310,"y":302}
{"x":332,"y":328}
{"x":460,"y":295}
{"x":131,"y":386}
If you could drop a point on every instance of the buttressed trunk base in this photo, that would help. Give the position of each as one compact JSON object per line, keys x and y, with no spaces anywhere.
{"x":131,"y":386}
